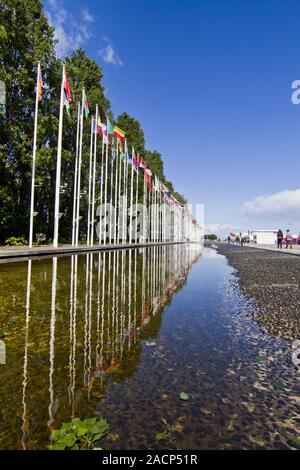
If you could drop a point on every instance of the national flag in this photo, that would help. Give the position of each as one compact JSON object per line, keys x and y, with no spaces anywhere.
{"x":67,"y":92}
{"x":156,"y":186}
{"x":148,"y":174}
{"x":119,"y":133}
{"x":104,"y":133}
{"x":110,"y":127}
{"x":142,"y":164}
{"x":86,"y":108}
{"x":97,"y":127}
{"x":39,"y":83}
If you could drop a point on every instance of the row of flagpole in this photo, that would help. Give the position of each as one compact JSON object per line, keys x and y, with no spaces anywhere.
{"x":168,"y":219}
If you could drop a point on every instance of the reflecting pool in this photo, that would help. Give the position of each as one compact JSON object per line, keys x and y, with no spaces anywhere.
{"x":122,"y":334}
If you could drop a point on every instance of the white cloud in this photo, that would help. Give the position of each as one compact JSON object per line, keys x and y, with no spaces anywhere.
{"x":221,"y":229}
{"x":285,"y":203}
{"x":109,"y":54}
{"x":70,"y":31}
{"x":87,"y":16}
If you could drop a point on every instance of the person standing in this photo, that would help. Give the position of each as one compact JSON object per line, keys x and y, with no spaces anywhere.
{"x":289,"y":239}
{"x":279,"y":238}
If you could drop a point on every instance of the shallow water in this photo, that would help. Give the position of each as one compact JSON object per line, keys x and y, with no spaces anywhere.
{"x":122,"y":334}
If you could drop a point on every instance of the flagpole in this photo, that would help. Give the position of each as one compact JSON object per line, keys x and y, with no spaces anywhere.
{"x":58,"y":164}
{"x":124,"y":235}
{"x":119,"y":198}
{"x":79,"y":170}
{"x":145,"y":211}
{"x":75,"y":177}
{"x":105,"y":189}
{"x":34,"y":156}
{"x":131,"y":197}
{"x":101,"y":189}
{"x":94,"y":178}
{"x":116,"y":193}
{"x":136,"y":199}
{"x":111,"y":195}
{"x":90,"y":184}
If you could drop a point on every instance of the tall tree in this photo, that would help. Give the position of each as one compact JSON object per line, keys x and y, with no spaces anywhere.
{"x":134,"y":132}
{"x":25,"y":39}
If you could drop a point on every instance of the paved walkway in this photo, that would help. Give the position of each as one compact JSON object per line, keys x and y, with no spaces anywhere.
{"x":15,"y":252}
{"x":294,"y":251}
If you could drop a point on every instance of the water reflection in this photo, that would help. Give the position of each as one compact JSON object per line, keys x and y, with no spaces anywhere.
{"x":74,"y":326}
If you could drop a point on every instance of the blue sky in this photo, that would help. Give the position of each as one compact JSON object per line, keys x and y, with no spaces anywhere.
{"x":210,"y":82}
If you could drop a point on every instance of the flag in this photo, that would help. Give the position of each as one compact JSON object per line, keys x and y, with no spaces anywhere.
{"x":39,"y":83}
{"x":156,"y":186}
{"x":110,"y":127}
{"x":142,"y":164}
{"x":147,"y":174}
{"x":97,"y":127}
{"x":67,"y":92}
{"x":86,"y":108}
{"x":119,"y":133}
{"x":104,"y":133}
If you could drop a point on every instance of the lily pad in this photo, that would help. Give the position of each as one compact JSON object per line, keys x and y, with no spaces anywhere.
{"x":184,"y":396}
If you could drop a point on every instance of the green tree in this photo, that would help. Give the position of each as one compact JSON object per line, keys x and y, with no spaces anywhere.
{"x":134,"y":133}
{"x":25,"y":38}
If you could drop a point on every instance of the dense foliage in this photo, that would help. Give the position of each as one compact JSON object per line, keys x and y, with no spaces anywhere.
{"x":26,"y":38}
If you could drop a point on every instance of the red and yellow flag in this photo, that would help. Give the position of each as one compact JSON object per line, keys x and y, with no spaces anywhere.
{"x":39,"y":83}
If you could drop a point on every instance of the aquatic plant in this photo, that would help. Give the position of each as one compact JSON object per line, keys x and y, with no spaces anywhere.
{"x":79,"y":434}
{"x":15,"y":241}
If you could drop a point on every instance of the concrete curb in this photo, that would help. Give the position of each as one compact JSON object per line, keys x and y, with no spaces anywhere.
{"x":41,"y":251}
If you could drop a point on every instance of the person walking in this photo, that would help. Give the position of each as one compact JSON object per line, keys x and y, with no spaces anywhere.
{"x":279,"y":238}
{"x":289,"y":239}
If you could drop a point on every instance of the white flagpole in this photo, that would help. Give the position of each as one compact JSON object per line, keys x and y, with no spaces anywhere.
{"x":94,"y":177}
{"x":145,"y":209}
{"x":105,"y":189}
{"x":58,"y":163}
{"x":75,"y":178}
{"x":124,"y":234}
{"x":136,"y":200}
{"x":101,"y":188}
{"x":90,"y":184}
{"x":79,"y":170}
{"x":116,"y":194}
{"x":131,"y":196}
{"x":111,"y":193}
{"x":119,"y":200}
{"x":34,"y":156}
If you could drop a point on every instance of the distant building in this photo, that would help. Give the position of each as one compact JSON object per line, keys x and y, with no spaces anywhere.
{"x":262,"y":237}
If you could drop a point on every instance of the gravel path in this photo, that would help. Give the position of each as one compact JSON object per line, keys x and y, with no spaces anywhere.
{"x":273,"y":281}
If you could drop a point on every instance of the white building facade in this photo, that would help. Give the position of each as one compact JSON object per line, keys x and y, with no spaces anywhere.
{"x":262,"y":237}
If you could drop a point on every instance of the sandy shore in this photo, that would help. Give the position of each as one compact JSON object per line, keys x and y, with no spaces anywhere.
{"x":272,"y":280}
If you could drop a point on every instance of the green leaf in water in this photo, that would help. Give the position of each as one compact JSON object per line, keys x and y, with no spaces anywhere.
{"x":184,"y":396}
{"x":295,"y":440}
{"x":75,"y":447}
{"x":90,"y":421}
{"x":277,"y":385}
{"x":68,"y":441}
{"x":81,"y":430}
{"x":57,"y":447}
{"x":261,"y":359}
{"x":160,"y":436}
